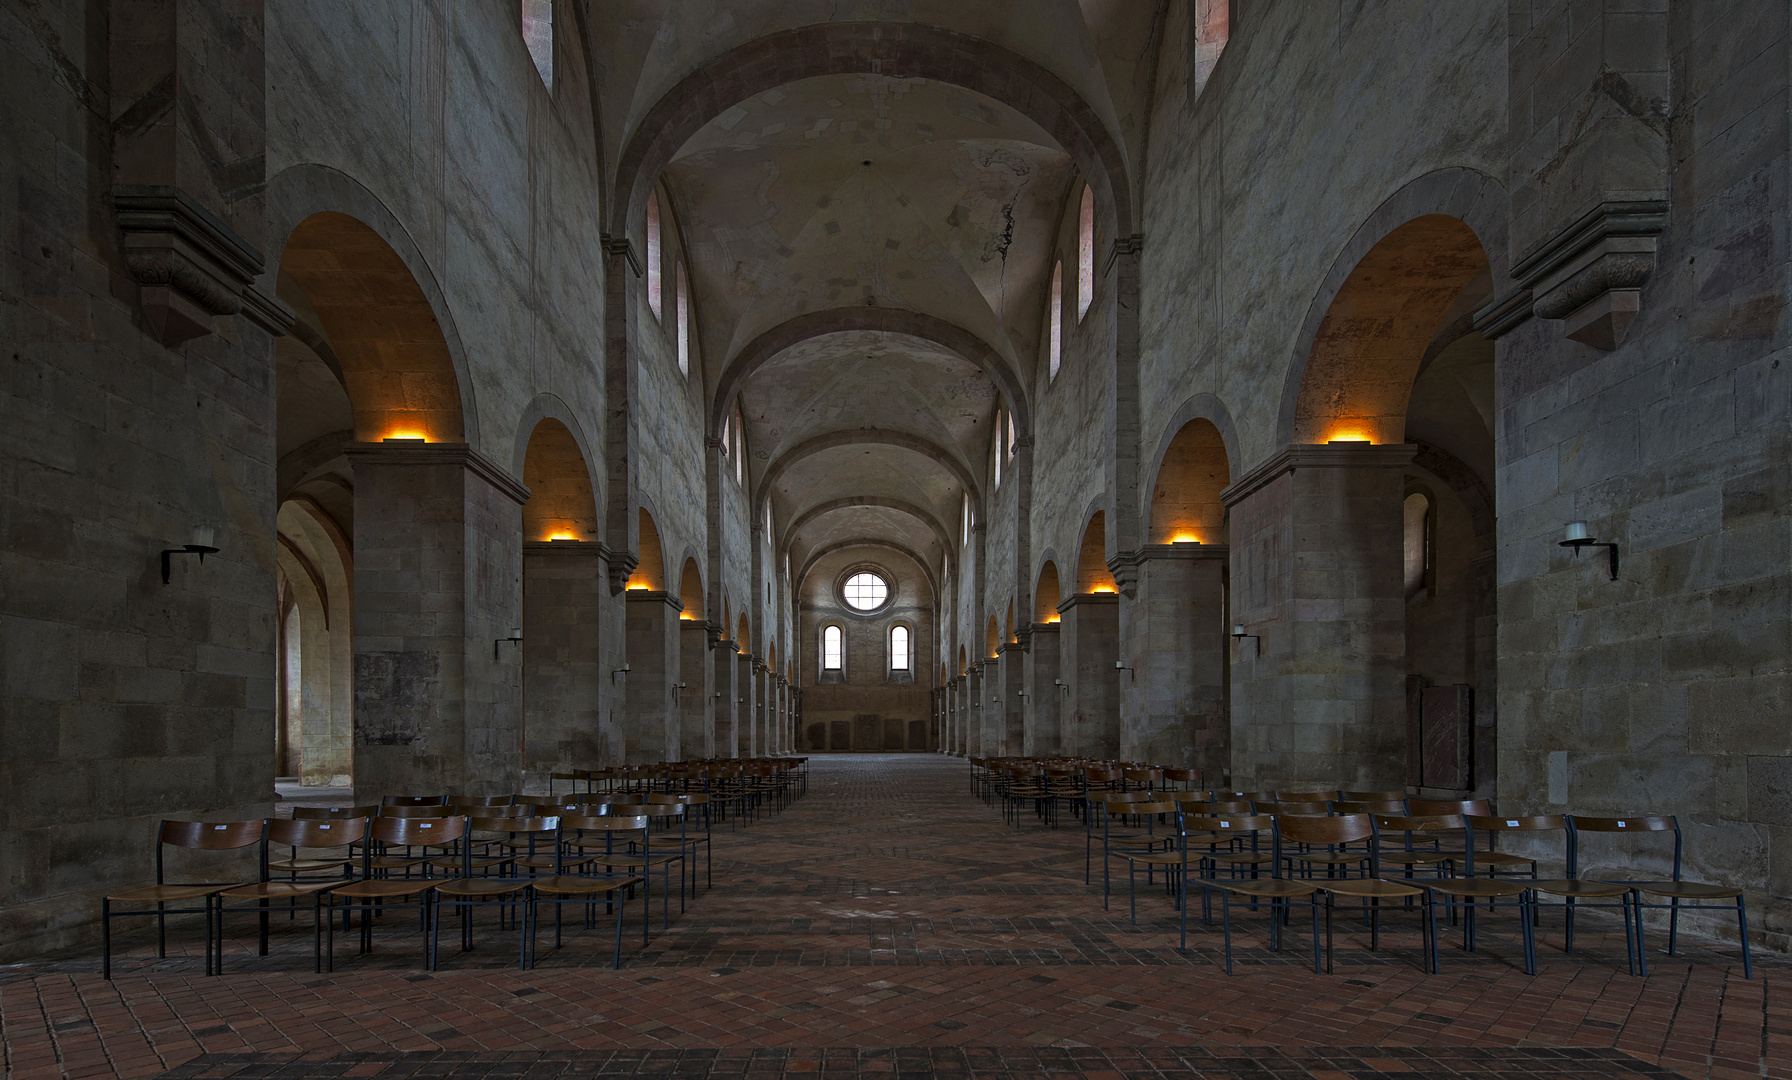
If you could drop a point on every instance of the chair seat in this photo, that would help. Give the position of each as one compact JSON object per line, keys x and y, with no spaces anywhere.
{"x":1367,"y":888}
{"x":1419,"y":858}
{"x":631,"y":860}
{"x":471,"y":887}
{"x":1159,"y":858}
{"x":1271,"y":888}
{"x":585,"y":886}
{"x":1578,"y":887}
{"x":1484,"y":887}
{"x":1243,"y":858}
{"x":1690,"y":890}
{"x":1342,"y":858}
{"x":381,"y":890}
{"x":483,"y":862}
{"x":280,"y":890}
{"x":151,"y":893}
{"x":306,"y":866}
{"x":1501,"y":858}
{"x":398,"y":862}
{"x":1138,"y":841}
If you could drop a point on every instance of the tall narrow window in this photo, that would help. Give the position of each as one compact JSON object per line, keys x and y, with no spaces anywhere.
{"x":538,"y":35}
{"x":1418,"y":548}
{"x":998,"y":449}
{"x":833,"y":648}
{"x":653,"y":252}
{"x":899,"y":648}
{"x":1085,"y":253}
{"x":964,"y":527}
{"x":1011,"y":436}
{"x":1055,"y":332}
{"x":684,"y":323}
{"x":740,"y":446}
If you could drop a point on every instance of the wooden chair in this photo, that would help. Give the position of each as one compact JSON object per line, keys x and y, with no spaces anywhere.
{"x":481,"y":800}
{"x":1468,"y":891}
{"x":1338,"y":832}
{"x":370,"y":896}
{"x":1188,"y":778}
{"x":1577,"y":892}
{"x":1307,"y":796}
{"x":640,"y":858}
{"x":191,"y":836}
{"x":414,"y":800}
{"x":696,"y":806}
{"x":572,"y":882}
{"x":1681,"y":895}
{"x":427,"y":810}
{"x":1124,"y":845}
{"x":333,"y":813}
{"x":1279,"y":892}
{"x":508,"y":892}
{"x":1422,"y":840}
{"x":297,"y":835}
{"x":1375,"y":796}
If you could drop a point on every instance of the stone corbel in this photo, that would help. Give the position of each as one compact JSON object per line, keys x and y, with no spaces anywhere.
{"x":190,"y":267}
{"x":712,"y":632}
{"x":1590,"y":275}
{"x":620,"y":245}
{"x":1125,"y":245}
{"x":1125,"y":568}
{"x":622,"y":566}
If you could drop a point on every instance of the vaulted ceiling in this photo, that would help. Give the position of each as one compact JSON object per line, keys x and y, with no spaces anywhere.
{"x":816,"y":197}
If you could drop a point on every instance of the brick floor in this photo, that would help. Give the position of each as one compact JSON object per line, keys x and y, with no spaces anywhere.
{"x":890,"y":923}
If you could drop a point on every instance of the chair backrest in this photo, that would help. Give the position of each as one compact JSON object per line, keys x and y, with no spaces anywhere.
{"x":212,"y":835}
{"x":300,"y":833}
{"x":513,"y":824}
{"x":1182,"y":776}
{"x":406,"y":831}
{"x":1101,"y":775}
{"x":1337,"y":829}
{"x":1125,"y":796}
{"x":1244,"y":796}
{"x":668,"y":798}
{"x":1427,"y":823}
{"x":414,"y":800}
{"x":1307,"y":796}
{"x":475,"y":810}
{"x":545,"y":800}
{"x":1375,"y":796}
{"x":1239,"y":824}
{"x":1356,"y":806}
{"x":1141,"y":808}
{"x":1497,"y":824}
{"x":607,"y":823}
{"x":432,"y":811}
{"x":1465,"y":807}
{"x":1578,"y":824}
{"x":1294,"y":808}
{"x":332,"y":813}
{"x":481,"y":800}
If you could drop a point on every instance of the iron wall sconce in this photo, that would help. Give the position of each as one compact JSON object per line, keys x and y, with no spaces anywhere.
{"x":1239,"y":635}
{"x":516,"y":635}
{"x":1576,"y":536}
{"x":676,"y":687}
{"x":1121,"y":665}
{"x":622,"y":671}
{"x":202,"y":545}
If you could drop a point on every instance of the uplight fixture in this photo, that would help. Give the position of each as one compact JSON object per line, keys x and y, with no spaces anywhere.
{"x":1576,"y":536}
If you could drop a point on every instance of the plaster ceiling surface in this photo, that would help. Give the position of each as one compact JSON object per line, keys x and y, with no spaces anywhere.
{"x":871,"y":522}
{"x":849,"y":189}
{"x":642,"y":49}
{"x":836,"y":381}
{"x":856,"y":471}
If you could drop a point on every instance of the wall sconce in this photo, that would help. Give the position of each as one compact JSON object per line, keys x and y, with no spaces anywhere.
{"x":516,"y":635}
{"x":622,"y":671}
{"x":676,"y":687}
{"x":1061,"y":685}
{"x":1022,"y":694}
{"x":1576,"y":536}
{"x":202,"y":545}
{"x":1120,"y":665}
{"x":1239,"y":635}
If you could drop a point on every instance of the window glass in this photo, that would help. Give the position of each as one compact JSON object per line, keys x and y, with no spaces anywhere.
{"x":833,"y":648}
{"x":653,"y":252}
{"x":538,"y":35}
{"x":899,"y":649}
{"x":1056,"y":330}
{"x":866,"y":591}
{"x":684,"y":323}
{"x":1085,"y":254}
{"x":1418,"y":547}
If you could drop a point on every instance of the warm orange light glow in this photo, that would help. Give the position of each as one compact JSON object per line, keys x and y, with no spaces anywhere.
{"x":561,"y":535}
{"x":1102,"y":589}
{"x":1350,"y":432}
{"x":405,"y":436}
{"x":1185,"y":537}
{"x":1054,"y":618}
{"x":639,"y":586}
{"x":685,"y":616}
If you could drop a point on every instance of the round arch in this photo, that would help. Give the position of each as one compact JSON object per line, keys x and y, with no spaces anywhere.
{"x":1475,"y":201}
{"x":866,"y":541}
{"x":301,"y":192}
{"x":561,"y":504}
{"x":866,"y":437}
{"x":766,"y":347}
{"x":906,"y":50}
{"x":918,"y":513}
{"x":553,"y":407}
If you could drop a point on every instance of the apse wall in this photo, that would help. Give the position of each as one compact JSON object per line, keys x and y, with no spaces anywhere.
{"x":864,"y":707}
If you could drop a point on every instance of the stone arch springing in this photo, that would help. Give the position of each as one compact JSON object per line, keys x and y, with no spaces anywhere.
{"x":1185,"y":495}
{"x":561,"y":505}
{"x":650,"y":572}
{"x":992,"y":638}
{"x":1046,"y":594}
{"x":1092,"y":574}
{"x":690,"y":591}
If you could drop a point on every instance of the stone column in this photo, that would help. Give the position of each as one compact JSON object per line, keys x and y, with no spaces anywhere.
{"x":564,"y":592}
{"x":1088,"y":639}
{"x":1012,"y":704}
{"x":972,"y":710}
{"x":743,"y":705}
{"x":1173,"y":702}
{"x":1316,"y":573}
{"x":722,"y":697}
{"x":1043,"y":735}
{"x":761,"y":709}
{"x":696,"y":735}
{"x":990,"y":718}
{"x":650,"y":727}
{"x":949,"y":716}
{"x":438,"y":580}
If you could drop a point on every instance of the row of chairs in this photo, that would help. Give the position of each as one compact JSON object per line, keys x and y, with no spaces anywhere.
{"x":433,"y":853}
{"x":1220,"y":848}
{"x":740,"y":787}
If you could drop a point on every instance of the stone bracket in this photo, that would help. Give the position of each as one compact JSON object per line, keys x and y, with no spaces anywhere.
{"x":1589,"y":274}
{"x":622,"y":567}
{"x":189,"y":266}
{"x":1125,"y":245}
{"x":621,"y":245}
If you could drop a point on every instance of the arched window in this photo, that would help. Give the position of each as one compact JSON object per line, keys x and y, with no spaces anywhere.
{"x":1010,"y":436}
{"x":1418,"y":554}
{"x":964,"y":526}
{"x":997,"y":449}
{"x":740,"y":448}
{"x":899,"y":658}
{"x":684,"y":323}
{"x":833,"y":648}
{"x":538,"y":34}
{"x":1055,"y":332}
{"x":865,"y":591}
{"x":653,"y":252}
{"x":1085,"y":253}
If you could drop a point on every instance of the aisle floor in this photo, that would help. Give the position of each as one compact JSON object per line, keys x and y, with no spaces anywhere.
{"x":889,"y":923}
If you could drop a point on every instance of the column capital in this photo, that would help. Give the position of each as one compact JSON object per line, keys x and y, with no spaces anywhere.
{"x":1291,"y":459}
{"x":417,"y":452}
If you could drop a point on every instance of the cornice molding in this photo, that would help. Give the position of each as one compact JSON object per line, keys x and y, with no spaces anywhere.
{"x":1318,"y":456}
{"x":444,"y":453}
